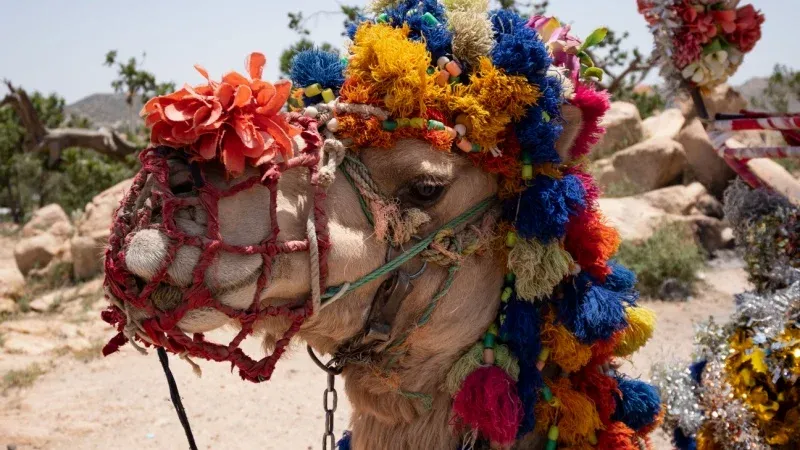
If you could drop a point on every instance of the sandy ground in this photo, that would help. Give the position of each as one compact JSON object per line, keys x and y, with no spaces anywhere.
{"x":123,"y":402}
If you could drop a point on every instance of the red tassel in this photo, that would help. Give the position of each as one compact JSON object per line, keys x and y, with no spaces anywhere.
{"x":114,"y":344}
{"x":593,"y":105}
{"x":599,"y":387}
{"x":488,"y":402}
{"x":616,"y":437}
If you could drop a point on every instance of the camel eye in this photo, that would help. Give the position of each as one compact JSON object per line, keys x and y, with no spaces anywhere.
{"x":422,"y":192}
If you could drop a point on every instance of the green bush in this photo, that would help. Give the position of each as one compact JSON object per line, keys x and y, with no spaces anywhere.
{"x":670,"y":253}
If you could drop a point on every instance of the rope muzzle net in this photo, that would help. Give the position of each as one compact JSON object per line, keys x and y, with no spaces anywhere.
{"x":151,"y":204}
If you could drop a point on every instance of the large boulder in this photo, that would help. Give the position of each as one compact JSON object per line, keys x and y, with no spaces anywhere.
{"x":708,"y":168}
{"x":50,"y":219}
{"x":666,"y":124}
{"x":648,"y":165}
{"x":623,"y":125}
{"x":37,"y":251}
{"x":722,"y":99}
{"x":94,"y":227}
{"x":678,"y":199}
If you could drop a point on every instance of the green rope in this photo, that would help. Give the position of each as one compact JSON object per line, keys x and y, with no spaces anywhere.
{"x":413,"y":251}
{"x":425,"y":399}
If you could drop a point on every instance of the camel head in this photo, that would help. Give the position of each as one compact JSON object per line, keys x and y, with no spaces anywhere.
{"x":421,"y":214}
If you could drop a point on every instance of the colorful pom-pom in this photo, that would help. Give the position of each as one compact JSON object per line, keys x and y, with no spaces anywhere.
{"x":638,"y":403}
{"x":539,"y":268}
{"x":641,"y":323}
{"x":590,"y":311}
{"x":488,"y":403}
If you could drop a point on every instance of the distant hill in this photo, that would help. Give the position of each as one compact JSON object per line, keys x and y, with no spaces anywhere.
{"x":107,"y":110}
{"x":754,"y":87}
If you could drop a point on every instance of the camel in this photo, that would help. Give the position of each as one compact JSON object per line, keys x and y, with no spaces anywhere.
{"x":378,"y":202}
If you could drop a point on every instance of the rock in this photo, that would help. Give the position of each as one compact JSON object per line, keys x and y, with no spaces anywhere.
{"x":87,"y":256}
{"x":776,"y":177}
{"x":675,"y":290}
{"x":723,"y":99}
{"x":94,"y":227}
{"x":11,"y":281}
{"x":623,"y":125}
{"x":676,"y":199}
{"x":652,"y":164}
{"x":708,"y":168}
{"x":36,"y":251}
{"x":8,"y":306}
{"x":46,"y":302}
{"x":667,"y":124}
{"x":26,"y":326}
{"x":95,"y":222}
{"x":707,"y":205}
{"x":707,"y":231}
{"x":49,"y":219}
{"x":633,"y":217}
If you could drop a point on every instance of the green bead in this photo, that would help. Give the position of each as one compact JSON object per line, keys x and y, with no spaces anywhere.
{"x":476,"y":148}
{"x":552,"y":433}
{"x":344,"y":61}
{"x":488,"y":340}
{"x":510,"y":278}
{"x":547,"y":393}
{"x":551,"y":445}
{"x":545,"y":116}
{"x":431,"y":70}
{"x":527,"y":172}
{"x":493,"y":329}
{"x":435,"y":125}
{"x":511,"y":239}
{"x":389,"y":125}
{"x":506,"y":295}
{"x":383,"y":18}
{"x":429,"y":19}
{"x":454,"y":80}
{"x":527,"y":158}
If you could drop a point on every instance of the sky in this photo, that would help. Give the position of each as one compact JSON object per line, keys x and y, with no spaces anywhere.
{"x":60,"y":45}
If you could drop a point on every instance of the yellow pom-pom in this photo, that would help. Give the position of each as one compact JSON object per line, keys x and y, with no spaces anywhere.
{"x":575,"y":414}
{"x":641,"y":323}
{"x":539,"y":268}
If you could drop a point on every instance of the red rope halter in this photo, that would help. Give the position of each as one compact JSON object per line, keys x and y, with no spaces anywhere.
{"x":160,"y":327}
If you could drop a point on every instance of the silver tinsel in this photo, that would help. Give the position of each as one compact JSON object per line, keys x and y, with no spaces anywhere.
{"x":767,"y":314}
{"x":733,"y":427}
{"x":679,"y":393}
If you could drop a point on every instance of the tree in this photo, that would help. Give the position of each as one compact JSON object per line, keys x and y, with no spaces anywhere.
{"x":132,"y":80}
{"x":782,"y":90}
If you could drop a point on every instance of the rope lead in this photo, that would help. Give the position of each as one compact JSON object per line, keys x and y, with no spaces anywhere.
{"x":176,"y":397}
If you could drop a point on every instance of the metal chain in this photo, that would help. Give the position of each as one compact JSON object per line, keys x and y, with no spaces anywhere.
{"x":329,"y":405}
{"x":330,"y":398}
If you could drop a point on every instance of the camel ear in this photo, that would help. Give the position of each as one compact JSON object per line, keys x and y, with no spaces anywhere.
{"x":573,"y":122}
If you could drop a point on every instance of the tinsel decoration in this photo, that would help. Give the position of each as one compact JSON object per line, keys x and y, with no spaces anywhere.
{"x":743,"y":389}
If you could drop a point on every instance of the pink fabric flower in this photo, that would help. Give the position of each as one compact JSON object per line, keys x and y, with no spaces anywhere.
{"x":563,"y":46}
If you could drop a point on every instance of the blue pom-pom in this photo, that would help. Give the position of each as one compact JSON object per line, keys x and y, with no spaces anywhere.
{"x":696,"y":370}
{"x":620,"y":279}
{"x":521,"y":332}
{"x":351,"y":26}
{"x":537,"y":138}
{"x":317,"y":66}
{"x":518,"y":48}
{"x":551,"y":98}
{"x":344,"y":442}
{"x":544,"y":208}
{"x":638,"y":403}
{"x":592,"y":312}
{"x":682,"y":441}
{"x":437,"y":37}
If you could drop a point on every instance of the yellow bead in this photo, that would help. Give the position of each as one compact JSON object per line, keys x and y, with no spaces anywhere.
{"x":592,"y":438}
{"x":527,"y":172}
{"x":552,"y":433}
{"x":328,"y":96}
{"x":403,"y":123}
{"x":418,"y":122}
{"x":511,"y":239}
{"x":544,"y":354}
{"x":313,"y":90}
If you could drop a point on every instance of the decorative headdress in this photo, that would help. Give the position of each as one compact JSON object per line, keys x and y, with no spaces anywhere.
{"x":701,"y":43}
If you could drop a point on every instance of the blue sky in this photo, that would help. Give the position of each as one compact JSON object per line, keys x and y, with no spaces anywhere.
{"x":59,"y":45}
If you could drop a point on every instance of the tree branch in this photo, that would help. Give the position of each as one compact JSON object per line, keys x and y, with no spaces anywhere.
{"x":55,"y":140}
